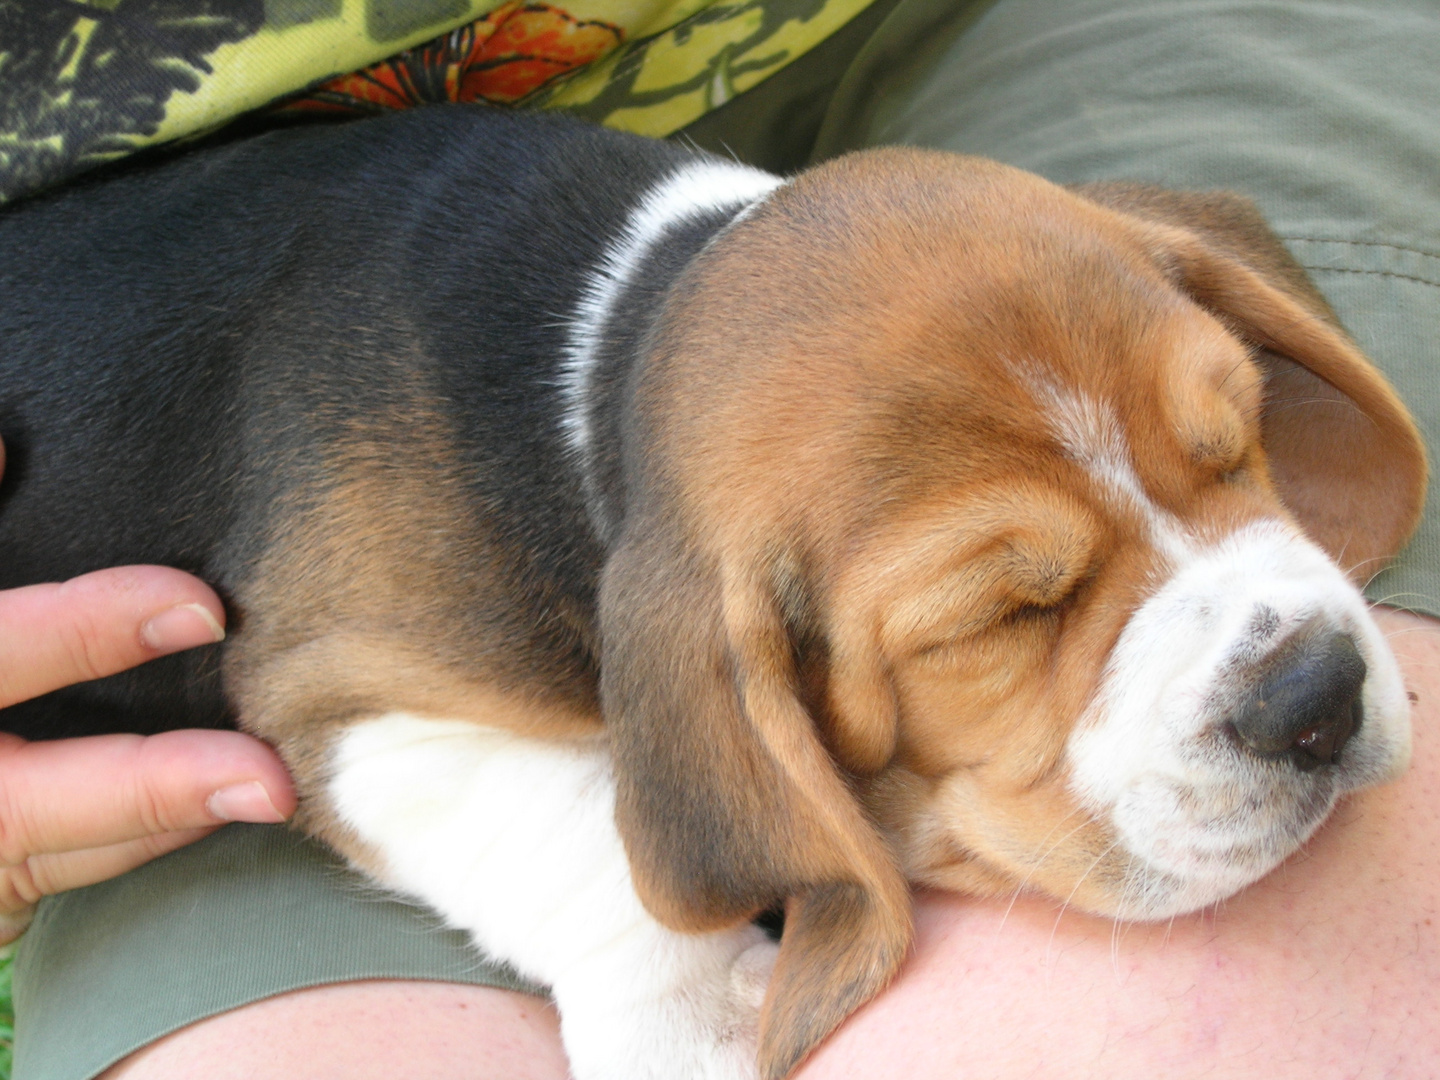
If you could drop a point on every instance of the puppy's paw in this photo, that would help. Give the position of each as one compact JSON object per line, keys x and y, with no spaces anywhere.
{"x":703,"y":1025}
{"x":750,"y":975}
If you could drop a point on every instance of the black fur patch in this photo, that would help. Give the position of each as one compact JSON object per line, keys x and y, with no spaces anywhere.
{"x":182,"y":341}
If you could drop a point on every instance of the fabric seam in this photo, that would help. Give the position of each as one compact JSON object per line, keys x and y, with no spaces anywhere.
{"x":1377,"y":273}
{"x":1363,"y":243}
{"x":1367,"y":244}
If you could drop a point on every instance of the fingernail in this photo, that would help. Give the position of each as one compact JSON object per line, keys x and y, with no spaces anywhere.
{"x":182,"y":627}
{"x":244,"y":802}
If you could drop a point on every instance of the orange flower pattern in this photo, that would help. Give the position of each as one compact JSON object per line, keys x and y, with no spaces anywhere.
{"x":84,"y":83}
{"x":511,"y":52}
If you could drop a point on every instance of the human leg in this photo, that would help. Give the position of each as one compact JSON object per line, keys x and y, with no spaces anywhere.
{"x":1327,"y":969}
{"x":248,"y":914}
{"x":370,"y":1030}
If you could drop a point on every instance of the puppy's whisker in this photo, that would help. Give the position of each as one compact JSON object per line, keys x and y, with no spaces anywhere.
{"x":1130,"y":881}
{"x":1034,"y":864}
{"x":1015,"y":894}
{"x":1407,"y":631}
{"x":1389,"y":599}
{"x":1065,"y":906}
{"x":1287,"y":404}
{"x":1233,"y":369}
{"x":1032,"y":861}
{"x":1381,"y":563}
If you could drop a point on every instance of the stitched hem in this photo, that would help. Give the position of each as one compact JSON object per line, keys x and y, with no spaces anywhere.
{"x":1363,"y":243}
{"x":1377,"y":273}
{"x":1400,"y":261}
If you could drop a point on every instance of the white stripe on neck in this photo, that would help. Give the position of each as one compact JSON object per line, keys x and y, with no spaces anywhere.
{"x":697,"y":188}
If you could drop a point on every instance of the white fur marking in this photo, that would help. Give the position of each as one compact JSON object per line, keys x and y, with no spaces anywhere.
{"x":697,"y":188}
{"x":1092,"y":436}
{"x":514,"y":840}
{"x":1200,"y":817}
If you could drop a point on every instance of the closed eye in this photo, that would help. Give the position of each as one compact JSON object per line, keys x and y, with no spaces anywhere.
{"x":1015,"y":614}
{"x":1052,"y":605}
{"x":1027,"y":565}
{"x":1045,"y":578}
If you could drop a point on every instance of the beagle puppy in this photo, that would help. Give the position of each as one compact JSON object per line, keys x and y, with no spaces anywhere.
{"x":622,"y":542}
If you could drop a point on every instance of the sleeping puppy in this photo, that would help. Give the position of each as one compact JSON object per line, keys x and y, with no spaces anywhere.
{"x":621,"y":542}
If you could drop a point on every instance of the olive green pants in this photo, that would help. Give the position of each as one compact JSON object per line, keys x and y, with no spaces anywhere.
{"x":1326,"y":113}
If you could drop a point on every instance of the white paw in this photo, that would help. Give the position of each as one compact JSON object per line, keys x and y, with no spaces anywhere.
{"x":704,"y":1026}
{"x":750,"y":976}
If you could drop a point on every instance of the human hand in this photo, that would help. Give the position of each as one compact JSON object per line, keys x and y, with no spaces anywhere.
{"x":77,"y":811}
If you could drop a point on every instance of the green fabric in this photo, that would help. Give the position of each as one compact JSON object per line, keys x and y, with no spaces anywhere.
{"x":775,"y":125}
{"x":252,"y":911}
{"x":88,"y":82}
{"x":1327,"y":114}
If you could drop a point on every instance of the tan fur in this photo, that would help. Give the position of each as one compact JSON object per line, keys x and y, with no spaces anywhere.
{"x":386,"y":592}
{"x":884,"y":585}
{"x":861,"y":595}
{"x":1354,"y":478}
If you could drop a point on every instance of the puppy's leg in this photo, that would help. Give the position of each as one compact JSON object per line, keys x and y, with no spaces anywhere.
{"x":514,"y":840}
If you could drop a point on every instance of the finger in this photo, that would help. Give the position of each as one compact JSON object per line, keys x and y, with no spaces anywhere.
{"x":97,"y":624}
{"x":75,"y":794}
{"x":15,"y":923}
{"x":44,"y":875}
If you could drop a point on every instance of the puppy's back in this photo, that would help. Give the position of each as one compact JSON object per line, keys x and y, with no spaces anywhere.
{"x":187,"y":343}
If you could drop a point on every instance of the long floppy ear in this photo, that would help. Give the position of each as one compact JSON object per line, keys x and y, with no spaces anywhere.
{"x":726,"y":797}
{"x":1344,"y":452}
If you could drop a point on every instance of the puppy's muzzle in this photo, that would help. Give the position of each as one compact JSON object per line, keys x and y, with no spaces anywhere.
{"x":1307,"y":703}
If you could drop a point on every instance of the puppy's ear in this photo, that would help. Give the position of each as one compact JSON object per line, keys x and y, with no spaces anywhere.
{"x":1344,"y":452}
{"x":861,"y":705}
{"x":726,"y":796}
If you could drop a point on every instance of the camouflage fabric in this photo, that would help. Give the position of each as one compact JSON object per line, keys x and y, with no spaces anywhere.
{"x":84,"y":82}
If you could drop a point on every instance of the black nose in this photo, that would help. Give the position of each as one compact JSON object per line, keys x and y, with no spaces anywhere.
{"x":1308,"y":703}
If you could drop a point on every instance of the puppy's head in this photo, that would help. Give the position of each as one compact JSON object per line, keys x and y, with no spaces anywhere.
{"x":993,"y":535}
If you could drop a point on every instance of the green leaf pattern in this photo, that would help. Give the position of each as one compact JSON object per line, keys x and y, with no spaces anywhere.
{"x":83,"y":82}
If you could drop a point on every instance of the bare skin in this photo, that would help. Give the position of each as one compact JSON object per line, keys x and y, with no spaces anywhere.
{"x":377,"y":1030}
{"x":1326,"y":970}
